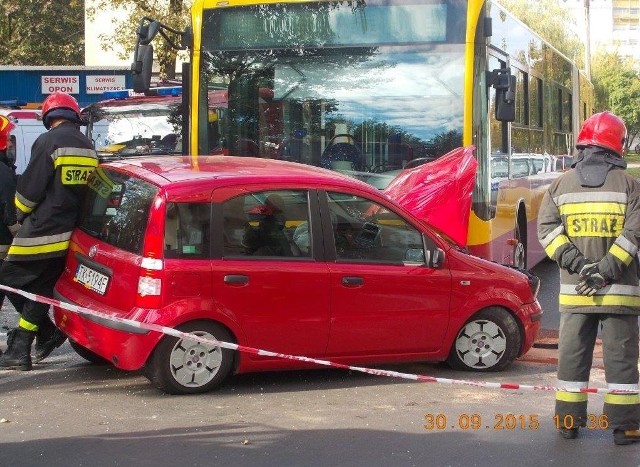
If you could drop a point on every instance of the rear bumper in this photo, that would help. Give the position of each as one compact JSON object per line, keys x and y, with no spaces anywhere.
{"x":125,"y":346}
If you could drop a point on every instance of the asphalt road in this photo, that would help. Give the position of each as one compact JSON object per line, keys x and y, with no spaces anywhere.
{"x":67,"y":412}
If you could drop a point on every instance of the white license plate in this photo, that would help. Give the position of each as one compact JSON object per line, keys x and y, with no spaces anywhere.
{"x":91,"y":279}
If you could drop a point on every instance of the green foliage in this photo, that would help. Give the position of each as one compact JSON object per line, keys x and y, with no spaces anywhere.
{"x":41,"y":32}
{"x":173,"y":13}
{"x":617,"y":86}
{"x":550,"y":21}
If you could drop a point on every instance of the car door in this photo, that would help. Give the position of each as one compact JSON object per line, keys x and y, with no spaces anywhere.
{"x":385,"y":300}
{"x":275,"y":289}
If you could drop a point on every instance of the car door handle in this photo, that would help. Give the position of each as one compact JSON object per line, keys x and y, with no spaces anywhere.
{"x":236,"y":279}
{"x":352,"y":281}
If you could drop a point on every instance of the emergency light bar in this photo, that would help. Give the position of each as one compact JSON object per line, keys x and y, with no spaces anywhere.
{"x":160,"y":91}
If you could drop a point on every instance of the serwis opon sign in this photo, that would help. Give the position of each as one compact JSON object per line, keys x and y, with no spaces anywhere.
{"x":68,"y":84}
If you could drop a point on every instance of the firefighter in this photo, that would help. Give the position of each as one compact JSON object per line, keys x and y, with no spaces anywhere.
{"x":589,"y":223}
{"x":8,"y":222}
{"x":48,"y":198}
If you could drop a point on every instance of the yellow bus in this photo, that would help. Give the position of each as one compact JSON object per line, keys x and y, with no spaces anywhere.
{"x":372,"y":87}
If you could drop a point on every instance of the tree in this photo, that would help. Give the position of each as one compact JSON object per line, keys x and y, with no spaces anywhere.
{"x":41,"y":32}
{"x":617,"y":88}
{"x":173,"y":13}
{"x":549,"y":20}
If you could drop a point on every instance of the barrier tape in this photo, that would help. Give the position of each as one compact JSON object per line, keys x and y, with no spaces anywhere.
{"x":266,"y":353}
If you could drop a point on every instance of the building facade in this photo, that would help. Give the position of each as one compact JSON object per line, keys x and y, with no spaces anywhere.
{"x":30,"y":85}
{"x":614,"y":25}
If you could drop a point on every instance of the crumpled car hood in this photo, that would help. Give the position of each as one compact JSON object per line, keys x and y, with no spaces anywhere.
{"x":440,"y":192}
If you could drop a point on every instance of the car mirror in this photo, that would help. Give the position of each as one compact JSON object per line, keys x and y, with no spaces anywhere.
{"x":435,"y":258}
{"x":414,"y":255}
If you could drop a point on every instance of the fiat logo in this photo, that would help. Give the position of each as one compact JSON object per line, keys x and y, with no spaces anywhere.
{"x":93,"y":250}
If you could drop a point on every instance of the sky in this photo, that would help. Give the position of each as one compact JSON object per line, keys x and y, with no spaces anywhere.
{"x":94,"y":55}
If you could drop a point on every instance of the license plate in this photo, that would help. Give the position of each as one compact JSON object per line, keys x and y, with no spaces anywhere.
{"x":91,"y":279}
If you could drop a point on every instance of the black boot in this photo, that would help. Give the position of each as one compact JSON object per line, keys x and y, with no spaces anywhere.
{"x":18,"y":354}
{"x":48,"y":338}
{"x":622,"y":437}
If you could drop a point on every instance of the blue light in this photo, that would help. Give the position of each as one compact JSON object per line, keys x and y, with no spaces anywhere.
{"x":166,"y":91}
{"x":121,"y":94}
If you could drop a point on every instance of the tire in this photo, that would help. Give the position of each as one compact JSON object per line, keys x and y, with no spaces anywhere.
{"x":489,"y":341}
{"x":87,"y":354}
{"x":182,"y":366}
{"x":520,"y":249}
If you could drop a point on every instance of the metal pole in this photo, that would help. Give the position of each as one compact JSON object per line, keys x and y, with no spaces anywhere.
{"x":587,"y":46}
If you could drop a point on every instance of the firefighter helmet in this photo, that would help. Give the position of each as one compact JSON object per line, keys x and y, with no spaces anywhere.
{"x":58,"y":105}
{"x":6,"y":126}
{"x":603,"y":129}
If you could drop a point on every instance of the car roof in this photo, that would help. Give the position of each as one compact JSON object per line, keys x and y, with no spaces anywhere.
{"x":170,"y":170}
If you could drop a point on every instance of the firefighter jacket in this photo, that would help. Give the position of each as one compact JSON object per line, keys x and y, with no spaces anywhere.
{"x":7,"y":208}
{"x":579,"y":220}
{"x":50,"y":192}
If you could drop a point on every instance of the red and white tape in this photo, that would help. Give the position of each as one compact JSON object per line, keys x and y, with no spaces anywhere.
{"x":252,"y":350}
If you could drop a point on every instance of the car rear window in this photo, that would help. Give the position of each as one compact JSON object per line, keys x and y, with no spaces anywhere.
{"x":116,"y":210}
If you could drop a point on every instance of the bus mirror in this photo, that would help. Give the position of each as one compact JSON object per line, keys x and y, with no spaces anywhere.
{"x":151,"y":32}
{"x":142,"y":67}
{"x":505,"y":84}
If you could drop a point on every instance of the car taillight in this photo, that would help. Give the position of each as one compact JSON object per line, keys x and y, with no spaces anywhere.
{"x":150,"y":283}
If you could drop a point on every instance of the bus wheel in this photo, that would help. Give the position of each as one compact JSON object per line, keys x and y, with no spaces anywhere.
{"x":489,"y":341}
{"x":519,"y":249}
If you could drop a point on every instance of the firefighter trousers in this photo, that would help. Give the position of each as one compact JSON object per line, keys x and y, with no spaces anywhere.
{"x":38,"y":277}
{"x":619,"y":334}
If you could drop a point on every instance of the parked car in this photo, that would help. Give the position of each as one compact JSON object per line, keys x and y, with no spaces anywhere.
{"x":28,"y":126}
{"x":277,"y":256}
{"x":562,"y":163}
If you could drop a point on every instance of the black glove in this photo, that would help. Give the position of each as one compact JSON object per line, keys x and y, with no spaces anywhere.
{"x":591,"y":280}
{"x":579,"y":265}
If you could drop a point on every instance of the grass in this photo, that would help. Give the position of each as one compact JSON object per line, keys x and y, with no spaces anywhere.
{"x":634,"y":172}
{"x":632,"y":157}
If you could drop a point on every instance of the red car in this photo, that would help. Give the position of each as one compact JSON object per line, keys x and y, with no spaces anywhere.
{"x":278,"y":256}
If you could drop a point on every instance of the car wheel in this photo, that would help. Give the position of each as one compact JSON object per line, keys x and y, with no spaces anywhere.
{"x":184,"y":366}
{"x":87,"y":354}
{"x":489,"y":341}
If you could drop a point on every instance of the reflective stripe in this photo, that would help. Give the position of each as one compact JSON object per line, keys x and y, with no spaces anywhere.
{"x":23,"y":203}
{"x":590,"y":208}
{"x":591,"y":197}
{"x":624,"y":387}
{"x":34,"y":241}
{"x":572,"y":385}
{"x":622,"y":399}
{"x":571,"y":396}
{"x":60,"y":154}
{"x":613,"y":289}
{"x":552,"y":235}
{"x":38,"y":249}
{"x":599,"y":300}
{"x":559,"y":241}
{"x":39,"y":245}
{"x":24,"y":324}
{"x":76,"y":160}
{"x":627,"y":245}
{"x":621,"y":254}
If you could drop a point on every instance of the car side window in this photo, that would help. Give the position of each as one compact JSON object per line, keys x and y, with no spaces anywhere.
{"x":267,"y":224}
{"x":187,"y":230}
{"x":364,"y":230}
